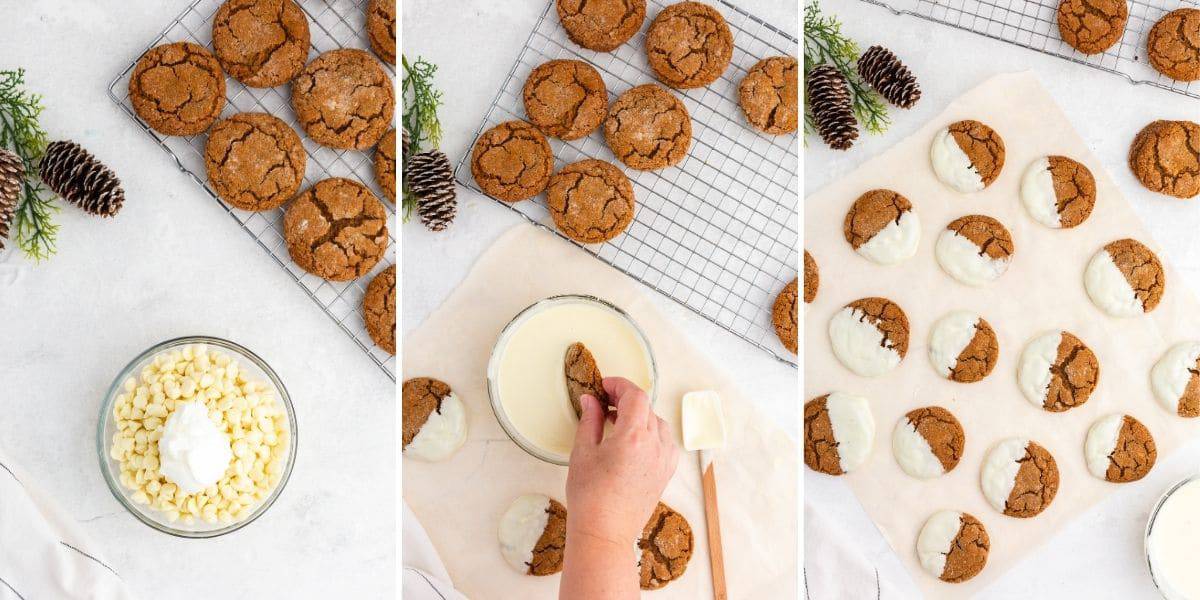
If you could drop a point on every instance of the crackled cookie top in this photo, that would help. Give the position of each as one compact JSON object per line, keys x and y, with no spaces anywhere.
{"x":1165,"y":157}
{"x":967,"y":155}
{"x":583,"y":377}
{"x":974,"y":249}
{"x":337,"y":229}
{"x":1175,"y":379}
{"x":664,"y":549}
{"x":261,"y":43}
{"x":1057,"y":371}
{"x":953,"y":546}
{"x":601,"y":25}
{"x":591,"y":201}
{"x":1058,"y":192}
{"x":1118,"y":448}
{"x":565,"y":98}
{"x":689,"y":45}
{"x":379,"y":309}
{"x":1174,"y":44}
{"x":768,"y":95}
{"x":1092,"y":26}
{"x":344,"y":99}
{"x":254,"y":161}
{"x":928,"y":442}
{"x":178,"y":89}
{"x":963,"y":347}
{"x":812,"y":278}
{"x":869,"y":336}
{"x":1125,"y":279}
{"x":533,"y":534}
{"x":882,"y":227}
{"x":512,"y":161}
{"x":784,"y":313}
{"x":838,"y":433}
{"x":381,"y":29}
{"x":1019,"y":477}
{"x":434,"y":419}
{"x":385,"y":164}
{"x":648,"y":128}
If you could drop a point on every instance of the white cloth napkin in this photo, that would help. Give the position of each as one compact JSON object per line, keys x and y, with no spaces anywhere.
{"x":835,"y":568}
{"x":425,"y":577}
{"x":43,"y":553}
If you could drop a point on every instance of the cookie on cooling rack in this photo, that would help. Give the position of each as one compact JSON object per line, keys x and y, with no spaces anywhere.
{"x":381,"y":28}
{"x":1174,"y":44}
{"x":344,"y":99}
{"x":689,"y":45}
{"x":254,"y":161}
{"x":379,"y":309}
{"x":1092,"y":26}
{"x":784,"y":311}
{"x":336,"y":229}
{"x":385,"y":164}
{"x":591,"y":201}
{"x":565,"y":98}
{"x":601,"y":25}
{"x":512,"y":161}
{"x":768,"y":95}
{"x":261,"y":43}
{"x":178,"y":89}
{"x":648,"y":128}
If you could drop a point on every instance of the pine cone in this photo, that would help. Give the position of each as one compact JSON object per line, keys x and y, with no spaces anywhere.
{"x":12,"y":176}
{"x":829,"y":101}
{"x":404,"y":146}
{"x":439,"y":207}
{"x":426,"y":171}
{"x":79,"y":178}
{"x":880,"y":68}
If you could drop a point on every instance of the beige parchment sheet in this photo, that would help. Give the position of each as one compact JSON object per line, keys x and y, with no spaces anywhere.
{"x":460,"y":500}
{"x":1042,"y":290}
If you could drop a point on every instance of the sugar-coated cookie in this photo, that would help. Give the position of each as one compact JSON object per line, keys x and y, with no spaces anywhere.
{"x":975,"y":249}
{"x":533,"y":534}
{"x":1175,"y":379}
{"x":1125,"y":279}
{"x":953,"y":546}
{"x":1019,"y":477}
{"x":838,"y":433}
{"x":869,"y":336}
{"x":882,"y":227}
{"x":435,"y":420}
{"x":785,"y":315}
{"x":1173,"y":45}
{"x":928,"y":442}
{"x":1119,"y":448}
{"x":512,"y":161}
{"x":812,"y":278}
{"x":664,"y":549}
{"x":1092,"y":26}
{"x":1058,"y":192}
{"x":601,"y":25}
{"x":1057,"y":371}
{"x":689,"y":45}
{"x":1165,"y":158}
{"x":963,"y":347}
{"x":344,"y":99}
{"x":967,"y":156}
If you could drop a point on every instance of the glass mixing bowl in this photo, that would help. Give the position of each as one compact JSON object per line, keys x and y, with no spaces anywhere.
{"x":1162,"y":586}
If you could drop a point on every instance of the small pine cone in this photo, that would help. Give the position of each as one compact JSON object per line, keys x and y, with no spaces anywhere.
{"x":12,"y":176}
{"x":880,"y":68}
{"x":829,"y":101}
{"x":439,"y":207}
{"x":426,"y":171}
{"x":79,"y":178}
{"x":404,"y":146}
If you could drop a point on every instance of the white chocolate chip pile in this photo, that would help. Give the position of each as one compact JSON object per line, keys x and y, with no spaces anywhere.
{"x":246,"y":412}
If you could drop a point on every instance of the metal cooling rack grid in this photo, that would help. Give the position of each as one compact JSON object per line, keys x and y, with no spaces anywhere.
{"x":1033,"y":24}
{"x":718,"y":232}
{"x":332,"y":24}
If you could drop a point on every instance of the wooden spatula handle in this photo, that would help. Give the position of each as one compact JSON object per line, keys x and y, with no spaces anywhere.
{"x":712,"y":519}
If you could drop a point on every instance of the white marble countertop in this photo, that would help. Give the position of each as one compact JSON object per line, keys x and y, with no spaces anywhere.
{"x":171,"y":264}
{"x":1100,"y":554}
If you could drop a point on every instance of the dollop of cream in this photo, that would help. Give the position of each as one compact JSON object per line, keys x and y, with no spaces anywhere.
{"x":193,"y":454}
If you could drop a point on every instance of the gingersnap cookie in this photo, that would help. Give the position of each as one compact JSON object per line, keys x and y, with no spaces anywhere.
{"x":812,"y":278}
{"x":178,"y":89}
{"x":869,"y":336}
{"x":963,"y":347}
{"x":336,"y":229}
{"x":1175,"y":379}
{"x":784,"y":313}
{"x":434,"y":419}
{"x":1019,"y":477}
{"x":381,"y":29}
{"x":838,"y":433}
{"x":1165,"y":157}
{"x":1174,"y":44}
{"x":1092,"y":26}
{"x":385,"y":164}
{"x":1057,"y":371}
{"x":379,"y":309}
{"x":533,"y":534}
{"x":565,"y":98}
{"x":648,"y":128}
{"x":882,"y":227}
{"x":967,"y":156}
{"x":1058,"y":192}
{"x":953,"y":546}
{"x":591,"y":201}
{"x":254,"y":161}
{"x":512,"y":161}
{"x":1125,"y":279}
{"x":601,"y":25}
{"x":583,"y":377}
{"x":768,"y":95}
{"x":344,"y":99}
{"x":1118,"y":448}
{"x":928,"y":442}
{"x":689,"y":45}
{"x":261,"y":43}
{"x":974,"y":249}
{"x":665,"y":548}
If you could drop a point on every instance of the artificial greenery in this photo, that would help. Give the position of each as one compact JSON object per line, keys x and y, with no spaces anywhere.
{"x":824,"y":43}
{"x":35,"y":231}
{"x":421,"y":102}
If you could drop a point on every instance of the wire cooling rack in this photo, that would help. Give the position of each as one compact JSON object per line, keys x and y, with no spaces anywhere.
{"x":1034,"y":24}
{"x":332,"y":24}
{"x":718,"y":232}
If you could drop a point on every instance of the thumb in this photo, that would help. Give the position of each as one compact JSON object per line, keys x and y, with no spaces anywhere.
{"x":591,"y":422}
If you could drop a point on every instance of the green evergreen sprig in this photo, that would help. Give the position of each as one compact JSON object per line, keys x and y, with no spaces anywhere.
{"x":824,"y":43}
{"x":35,"y":231}
{"x":421,"y":102}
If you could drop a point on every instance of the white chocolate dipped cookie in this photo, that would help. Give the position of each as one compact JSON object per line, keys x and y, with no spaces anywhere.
{"x":963,"y":347}
{"x":533,"y":534}
{"x":435,"y":420}
{"x":1125,"y":279}
{"x":1019,"y":477}
{"x":1057,"y":371}
{"x":928,"y":442}
{"x":953,"y":546}
{"x":967,"y":156}
{"x":1058,"y":192}
{"x":839,"y":432}
{"x":975,"y":249}
{"x":1175,"y":379}
{"x":869,"y":336}
{"x":882,"y":227}
{"x":1119,"y":448}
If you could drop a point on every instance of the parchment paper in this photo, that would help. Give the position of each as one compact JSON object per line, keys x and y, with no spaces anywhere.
{"x":459,"y":501}
{"x":1042,"y":290}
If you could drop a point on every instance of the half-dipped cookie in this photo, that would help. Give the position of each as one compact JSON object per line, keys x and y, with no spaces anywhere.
{"x":533,"y":534}
{"x":963,"y":347}
{"x":967,"y":156}
{"x":975,"y":249}
{"x":1175,"y":379}
{"x":953,"y":546}
{"x":435,"y":420}
{"x":1118,"y":448}
{"x":1057,"y":371}
{"x":928,"y":442}
{"x":869,"y":336}
{"x":882,"y":227}
{"x":838,"y":433}
{"x":1019,"y":477}
{"x":1058,"y":192}
{"x":1125,"y":279}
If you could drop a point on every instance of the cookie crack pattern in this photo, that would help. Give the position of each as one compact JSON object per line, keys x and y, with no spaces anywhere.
{"x":256,"y":60}
{"x":426,"y":398}
{"x":1189,"y":403}
{"x":968,"y":552}
{"x":982,"y":145}
{"x":992,"y":238}
{"x":1174,"y":51}
{"x":667,"y":560}
{"x":688,"y":44}
{"x":1036,"y":483}
{"x":176,"y":110}
{"x":548,"y":550}
{"x":343,"y":99}
{"x":349,"y":245}
{"x":1101,"y":22}
{"x":979,"y":356}
{"x":1073,"y":375}
{"x":287,"y":169}
{"x":1141,"y":269}
{"x":886,"y":316}
{"x":1164,"y":162}
{"x":648,"y":128}
{"x":872,"y":212}
{"x":820,"y":447}
{"x":943,"y":433}
{"x":1134,"y":454}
